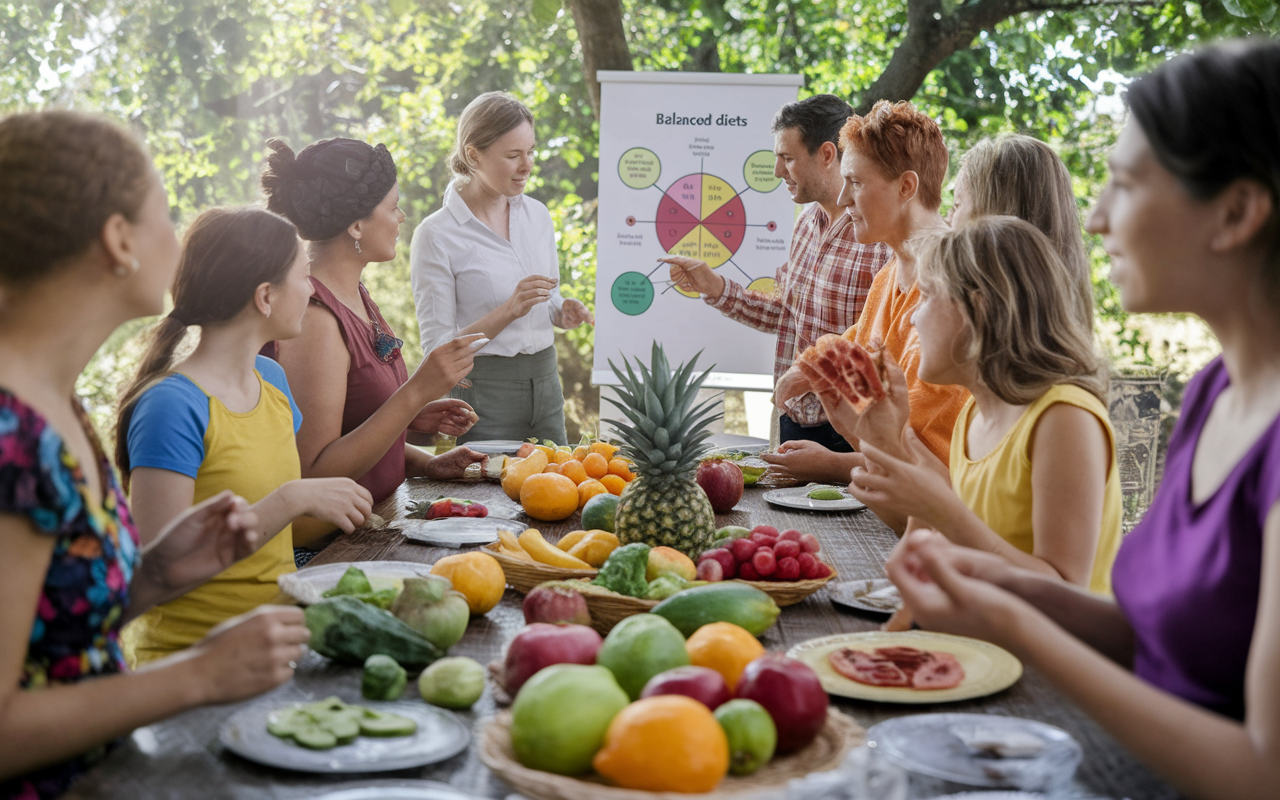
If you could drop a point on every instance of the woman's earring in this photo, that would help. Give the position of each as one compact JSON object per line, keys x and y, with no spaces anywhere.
{"x":125,"y":270}
{"x":357,"y":245}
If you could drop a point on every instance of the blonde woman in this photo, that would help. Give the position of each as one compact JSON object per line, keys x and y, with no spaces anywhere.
{"x":487,"y":263}
{"x":1033,"y":468}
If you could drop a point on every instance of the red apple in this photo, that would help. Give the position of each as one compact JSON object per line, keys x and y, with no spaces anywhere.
{"x":722,"y":481}
{"x":702,"y":684}
{"x":541,"y":645}
{"x":555,"y":604}
{"x":792,"y":694}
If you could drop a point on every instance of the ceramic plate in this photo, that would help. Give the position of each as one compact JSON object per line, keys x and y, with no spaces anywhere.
{"x":440,"y":735}
{"x":797,"y":497}
{"x":494,"y":447}
{"x":309,"y":584}
{"x":456,"y":531}
{"x":987,"y":668}
{"x":422,"y":790}
{"x":876,"y":595}
{"x":931,"y":744}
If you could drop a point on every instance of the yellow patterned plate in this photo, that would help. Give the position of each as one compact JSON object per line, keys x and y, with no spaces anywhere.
{"x":987,"y":668}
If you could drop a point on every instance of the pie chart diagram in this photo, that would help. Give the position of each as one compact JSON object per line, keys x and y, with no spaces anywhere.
{"x":701,"y":216}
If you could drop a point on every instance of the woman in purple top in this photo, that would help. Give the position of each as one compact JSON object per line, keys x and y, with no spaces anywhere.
{"x":1182,"y":666}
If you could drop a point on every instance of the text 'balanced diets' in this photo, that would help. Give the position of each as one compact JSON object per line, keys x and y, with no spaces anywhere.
{"x":693,"y":183}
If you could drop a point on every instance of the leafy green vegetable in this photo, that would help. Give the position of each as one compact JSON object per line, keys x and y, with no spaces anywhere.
{"x":624,"y":570}
{"x":353,"y":581}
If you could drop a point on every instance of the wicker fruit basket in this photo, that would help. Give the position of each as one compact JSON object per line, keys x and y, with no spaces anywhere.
{"x":838,"y":736}
{"x":788,"y":593}
{"x":524,"y":575}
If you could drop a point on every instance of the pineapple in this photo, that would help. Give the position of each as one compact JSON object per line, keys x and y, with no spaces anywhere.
{"x":663,"y":505}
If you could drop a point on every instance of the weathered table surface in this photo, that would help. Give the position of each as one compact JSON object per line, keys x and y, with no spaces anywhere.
{"x":182,"y":758}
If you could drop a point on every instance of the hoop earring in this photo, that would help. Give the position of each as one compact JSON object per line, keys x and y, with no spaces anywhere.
{"x":358,"y":246}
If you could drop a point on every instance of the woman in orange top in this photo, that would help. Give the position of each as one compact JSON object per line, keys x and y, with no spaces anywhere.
{"x":894,"y":164}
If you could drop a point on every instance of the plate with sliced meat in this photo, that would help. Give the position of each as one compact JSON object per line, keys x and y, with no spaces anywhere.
{"x":908,"y":666}
{"x":836,"y":366}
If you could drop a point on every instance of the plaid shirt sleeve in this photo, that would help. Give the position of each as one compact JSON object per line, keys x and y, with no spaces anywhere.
{"x":756,"y":309}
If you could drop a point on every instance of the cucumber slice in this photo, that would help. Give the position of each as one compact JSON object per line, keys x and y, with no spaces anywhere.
{"x":315,"y":738}
{"x":379,"y":723}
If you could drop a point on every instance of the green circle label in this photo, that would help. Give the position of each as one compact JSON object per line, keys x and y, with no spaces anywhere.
{"x":639,"y":168}
{"x":632,"y":293}
{"x":758,"y":171}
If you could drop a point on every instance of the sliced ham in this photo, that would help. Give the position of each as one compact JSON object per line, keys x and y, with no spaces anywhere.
{"x":898,"y":666}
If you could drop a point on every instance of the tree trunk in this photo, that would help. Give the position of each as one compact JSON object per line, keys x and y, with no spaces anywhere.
{"x":603,"y":41}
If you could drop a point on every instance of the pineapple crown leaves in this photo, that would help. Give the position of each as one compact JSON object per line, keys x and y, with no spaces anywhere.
{"x":667,"y":431}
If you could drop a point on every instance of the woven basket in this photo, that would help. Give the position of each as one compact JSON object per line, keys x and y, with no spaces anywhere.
{"x":609,"y":610}
{"x":838,"y":736}
{"x":788,"y":593}
{"x":524,"y":575}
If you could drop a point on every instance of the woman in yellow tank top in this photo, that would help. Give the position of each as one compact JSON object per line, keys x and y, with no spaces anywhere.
{"x":1033,"y":470}
{"x":223,"y":418}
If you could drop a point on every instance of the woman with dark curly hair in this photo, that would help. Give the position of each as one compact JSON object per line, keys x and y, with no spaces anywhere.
{"x":92,"y":246}
{"x":346,"y":370}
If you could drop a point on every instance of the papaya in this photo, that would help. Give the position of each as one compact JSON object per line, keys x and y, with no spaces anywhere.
{"x":349,"y":631}
{"x":726,"y":601}
{"x":517,"y":470}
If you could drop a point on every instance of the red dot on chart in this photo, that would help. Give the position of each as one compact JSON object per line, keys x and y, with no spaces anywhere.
{"x":631,"y":220}
{"x":773,"y":226}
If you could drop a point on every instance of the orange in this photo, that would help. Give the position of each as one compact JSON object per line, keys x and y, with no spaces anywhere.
{"x":580,"y":452}
{"x":549,"y":497}
{"x":551,"y":469}
{"x":574,"y":471}
{"x":622,"y":469}
{"x":597,"y":466}
{"x":561,"y":456}
{"x":667,"y":743}
{"x":725,"y":648}
{"x":589,"y":489}
{"x":604,"y":449}
{"x":614,"y":484}
{"x":478,"y":576}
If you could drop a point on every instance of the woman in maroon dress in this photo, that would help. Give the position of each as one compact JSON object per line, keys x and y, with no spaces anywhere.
{"x":346,"y":371}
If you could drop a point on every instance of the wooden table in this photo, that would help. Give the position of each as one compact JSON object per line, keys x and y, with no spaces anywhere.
{"x":182,"y":757}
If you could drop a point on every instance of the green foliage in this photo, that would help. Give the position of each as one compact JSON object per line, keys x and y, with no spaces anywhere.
{"x":207,"y":83}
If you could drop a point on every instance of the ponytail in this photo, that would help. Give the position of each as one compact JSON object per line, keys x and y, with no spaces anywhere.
{"x":155,"y":366}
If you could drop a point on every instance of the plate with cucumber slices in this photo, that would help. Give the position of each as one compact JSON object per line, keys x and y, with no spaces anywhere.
{"x":331,"y":736}
{"x":814,"y":497}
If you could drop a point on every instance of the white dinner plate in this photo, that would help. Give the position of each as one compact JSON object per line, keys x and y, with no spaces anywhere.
{"x":797,"y":497}
{"x":439,"y":736}
{"x":875,"y":595}
{"x":494,"y":447}
{"x":929,"y":745}
{"x":419,"y":790}
{"x":309,"y":584}
{"x":456,"y":531}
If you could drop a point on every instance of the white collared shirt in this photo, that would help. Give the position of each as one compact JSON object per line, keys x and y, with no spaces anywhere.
{"x":461,"y":270}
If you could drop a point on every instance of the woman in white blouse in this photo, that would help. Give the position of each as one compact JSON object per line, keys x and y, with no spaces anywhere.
{"x":487,"y":263}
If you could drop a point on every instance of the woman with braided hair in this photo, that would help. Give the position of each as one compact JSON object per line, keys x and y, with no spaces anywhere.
{"x":346,"y":371}
{"x":487,"y":263}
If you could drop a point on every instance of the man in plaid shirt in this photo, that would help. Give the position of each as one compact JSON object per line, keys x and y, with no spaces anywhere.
{"x":825,"y":281}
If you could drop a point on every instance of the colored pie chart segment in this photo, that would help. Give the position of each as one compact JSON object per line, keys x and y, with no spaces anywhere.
{"x":701,"y":216}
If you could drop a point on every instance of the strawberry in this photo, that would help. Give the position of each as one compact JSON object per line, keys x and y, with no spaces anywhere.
{"x":764,"y":562}
{"x":788,"y":569}
{"x":809,"y":543}
{"x":786,"y":548}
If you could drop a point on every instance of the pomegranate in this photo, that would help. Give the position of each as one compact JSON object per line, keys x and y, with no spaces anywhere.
{"x":701,"y":683}
{"x":722,"y":481}
{"x":555,"y":604}
{"x":541,"y":645}
{"x":792,"y":694}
